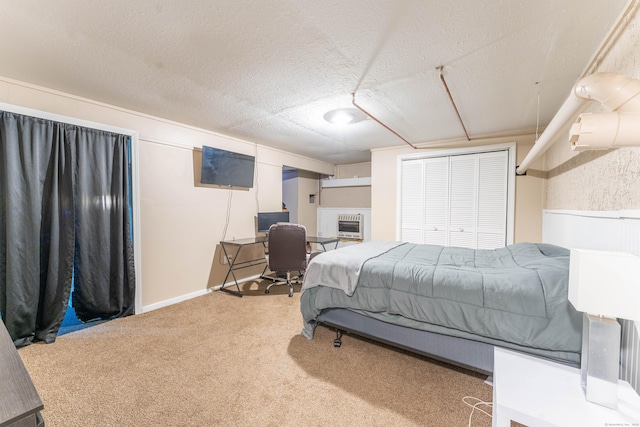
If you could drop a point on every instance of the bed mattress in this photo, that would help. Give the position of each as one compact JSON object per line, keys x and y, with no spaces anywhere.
{"x":514,"y":296}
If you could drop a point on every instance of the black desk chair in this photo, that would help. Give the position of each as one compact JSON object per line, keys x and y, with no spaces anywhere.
{"x":287,"y":252}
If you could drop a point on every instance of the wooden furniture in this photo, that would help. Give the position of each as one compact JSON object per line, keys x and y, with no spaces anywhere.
{"x":20,"y":404}
{"x":539,"y":392}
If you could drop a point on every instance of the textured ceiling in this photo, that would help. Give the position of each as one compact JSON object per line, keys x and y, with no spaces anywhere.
{"x":268,"y":70}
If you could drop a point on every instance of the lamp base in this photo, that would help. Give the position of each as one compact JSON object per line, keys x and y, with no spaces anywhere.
{"x":600,"y":364}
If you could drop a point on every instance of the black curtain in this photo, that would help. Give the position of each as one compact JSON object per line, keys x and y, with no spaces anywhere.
{"x":64,"y":211}
{"x":104,"y":280}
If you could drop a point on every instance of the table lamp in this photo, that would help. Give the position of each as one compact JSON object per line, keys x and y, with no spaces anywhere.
{"x":604,"y":286}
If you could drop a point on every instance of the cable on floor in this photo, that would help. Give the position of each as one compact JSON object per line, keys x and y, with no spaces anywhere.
{"x":475,"y":406}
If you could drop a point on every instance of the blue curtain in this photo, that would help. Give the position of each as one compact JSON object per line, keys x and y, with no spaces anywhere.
{"x":65,"y":214}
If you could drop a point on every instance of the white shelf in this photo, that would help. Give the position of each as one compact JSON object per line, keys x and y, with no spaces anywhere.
{"x":347,"y":182}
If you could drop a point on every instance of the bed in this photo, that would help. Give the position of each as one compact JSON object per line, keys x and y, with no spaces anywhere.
{"x":452,"y":304}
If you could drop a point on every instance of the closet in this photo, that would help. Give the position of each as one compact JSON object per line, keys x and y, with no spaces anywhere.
{"x":457,"y":199}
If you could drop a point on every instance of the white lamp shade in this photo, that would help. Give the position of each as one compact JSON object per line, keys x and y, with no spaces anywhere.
{"x":605,"y":283}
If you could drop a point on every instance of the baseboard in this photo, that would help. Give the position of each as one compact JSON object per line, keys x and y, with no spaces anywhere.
{"x":181,"y":298}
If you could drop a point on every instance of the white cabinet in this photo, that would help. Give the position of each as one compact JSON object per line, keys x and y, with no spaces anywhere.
{"x":455,"y":200}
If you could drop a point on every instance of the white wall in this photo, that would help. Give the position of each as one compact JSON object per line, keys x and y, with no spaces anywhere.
{"x":605,"y":231}
{"x":600,"y":180}
{"x":307,"y":211}
{"x":182,"y":221}
{"x":603,"y":180}
{"x":296,"y":188}
{"x":290,"y":195}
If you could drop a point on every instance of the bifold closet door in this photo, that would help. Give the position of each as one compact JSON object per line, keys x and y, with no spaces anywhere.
{"x":456,"y":200}
{"x":412,"y":201}
{"x":464,"y":200}
{"x":436,"y":201}
{"x":492,"y":200}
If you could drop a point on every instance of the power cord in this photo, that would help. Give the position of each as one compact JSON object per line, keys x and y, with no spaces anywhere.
{"x":256,"y":180}
{"x":475,"y":406}
{"x":226,"y":224}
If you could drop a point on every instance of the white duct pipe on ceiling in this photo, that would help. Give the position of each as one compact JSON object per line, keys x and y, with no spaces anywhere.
{"x":615,"y":92}
{"x":544,"y":142}
{"x":605,"y":131}
{"x":602,"y":131}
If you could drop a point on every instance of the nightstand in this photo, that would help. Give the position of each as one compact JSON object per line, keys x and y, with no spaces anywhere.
{"x":539,"y":392}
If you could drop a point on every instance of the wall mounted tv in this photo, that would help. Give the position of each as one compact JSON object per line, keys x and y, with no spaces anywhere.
{"x":221,"y":167}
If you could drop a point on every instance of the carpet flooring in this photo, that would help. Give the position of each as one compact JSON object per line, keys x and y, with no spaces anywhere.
{"x":220,"y":360}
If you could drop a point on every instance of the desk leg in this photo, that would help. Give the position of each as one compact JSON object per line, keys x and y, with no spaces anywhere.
{"x":231,"y":262}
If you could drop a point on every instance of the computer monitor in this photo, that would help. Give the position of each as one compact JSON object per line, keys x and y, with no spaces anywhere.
{"x":266,"y":219}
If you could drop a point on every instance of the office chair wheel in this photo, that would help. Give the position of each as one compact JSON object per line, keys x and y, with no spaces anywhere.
{"x":266,"y":291}
{"x":290,"y":292}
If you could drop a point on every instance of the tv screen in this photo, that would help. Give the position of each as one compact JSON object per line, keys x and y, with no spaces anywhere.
{"x":221,"y":167}
{"x":266,"y":219}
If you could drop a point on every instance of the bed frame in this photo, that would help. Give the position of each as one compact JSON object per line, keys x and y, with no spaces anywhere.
{"x":469,"y":354}
{"x":466,"y":353}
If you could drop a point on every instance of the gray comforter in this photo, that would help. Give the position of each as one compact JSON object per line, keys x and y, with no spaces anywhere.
{"x":516,"y":294}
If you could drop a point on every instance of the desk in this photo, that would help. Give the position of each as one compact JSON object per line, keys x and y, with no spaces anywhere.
{"x":323,"y":241}
{"x":539,"y":392}
{"x":232,"y":258}
{"x":232,"y":249}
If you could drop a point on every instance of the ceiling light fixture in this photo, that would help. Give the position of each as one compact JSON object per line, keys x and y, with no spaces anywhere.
{"x":344,"y":116}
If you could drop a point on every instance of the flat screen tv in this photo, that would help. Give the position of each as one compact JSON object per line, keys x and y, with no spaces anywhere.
{"x":266,"y":219}
{"x":221,"y":167}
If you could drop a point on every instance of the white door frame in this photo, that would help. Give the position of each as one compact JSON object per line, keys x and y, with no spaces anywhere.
{"x":135,"y":178}
{"x":511,"y":183}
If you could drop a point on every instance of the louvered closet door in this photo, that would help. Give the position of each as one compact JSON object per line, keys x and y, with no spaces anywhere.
{"x":492,"y":200}
{"x":457,"y":200}
{"x":412,"y":201}
{"x":436,"y":201}
{"x":463,"y":200}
